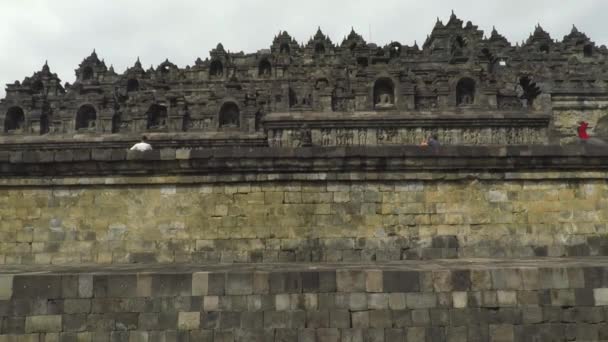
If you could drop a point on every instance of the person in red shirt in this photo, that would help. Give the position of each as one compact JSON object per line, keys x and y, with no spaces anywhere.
{"x":582,"y":130}
{"x":585,"y":138}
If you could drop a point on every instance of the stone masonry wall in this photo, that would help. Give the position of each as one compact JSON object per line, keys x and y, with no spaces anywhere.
{"x":560,"y":301}
{"x":320,"y":221}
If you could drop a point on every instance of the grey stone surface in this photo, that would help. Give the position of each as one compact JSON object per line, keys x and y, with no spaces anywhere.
{"x":545,"y":311}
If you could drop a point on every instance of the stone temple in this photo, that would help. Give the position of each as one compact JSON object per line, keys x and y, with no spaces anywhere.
{"x":287,"y":197}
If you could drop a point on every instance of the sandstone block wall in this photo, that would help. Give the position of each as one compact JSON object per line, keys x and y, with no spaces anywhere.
{"x":478,"y":302}
{"x":166,"y":221}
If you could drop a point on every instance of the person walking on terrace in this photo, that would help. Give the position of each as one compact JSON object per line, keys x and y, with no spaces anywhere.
{"x":142,"y":145}
{"x":584,"y":137}
{"x":432,"y":142}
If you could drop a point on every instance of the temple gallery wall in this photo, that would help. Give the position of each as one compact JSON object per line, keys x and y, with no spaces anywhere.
{"x":287,"y":197}
{"x":468,"y":87}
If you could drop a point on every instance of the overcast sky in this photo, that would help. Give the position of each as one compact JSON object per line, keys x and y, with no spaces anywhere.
{"x":66,"y":31}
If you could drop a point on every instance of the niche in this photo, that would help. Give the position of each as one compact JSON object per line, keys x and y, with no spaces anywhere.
{"x":15,"y":120}
{"x":588,"y":50}
{"x":465,"y":92}
{"x":216,"y":69}
{"x":384,"y":93}
{"x":38,"y":87}
{"x":264,"y":69}
{"x":156,"y":117}
{"x":458,"y":46}
{"x":116,"y":122}
{"x":87,"y":74}
{"x":319,"y":48}
{"x":229,"y":115}
{"x":44,"y":124}
{"x":285,"y":48}
{"x":395,"y":50}
{"x":528,"y":92}
{"x":86,"y":118}
{"x":132,"y":85}
{"x":293,"y":99}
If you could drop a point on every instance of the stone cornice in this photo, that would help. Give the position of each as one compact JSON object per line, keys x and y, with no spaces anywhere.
{"x":250,"y":164}
{"x":398,"y":119}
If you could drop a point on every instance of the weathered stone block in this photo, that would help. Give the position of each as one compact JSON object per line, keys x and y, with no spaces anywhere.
{"x":502,"y":333}
{"x":401,"y":281}
{"x":350,"y":281}
{"x":374,"y":281}
{"x":459,"y":299}
{"x":600,"y":296}
{"x":317,"y":319}
{"x":188,"y":320}
{"x":380,"y":319}
{"x":6,"y":286}
{"x":200,"y":283}
{"x":43,"y":324}
{"x":285,"y":282}
{"x":328,"y":335}
{"x":239,"y":283}
{"x":339,"y":319}
{"x":421,"y":300}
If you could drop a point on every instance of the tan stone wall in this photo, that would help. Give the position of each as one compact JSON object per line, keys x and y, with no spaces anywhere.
{"x":302,"y":221}
{"x":565,"y":122}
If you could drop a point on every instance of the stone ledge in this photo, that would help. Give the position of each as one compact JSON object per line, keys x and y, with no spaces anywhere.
{"x":314,"y":160}
{"x":536,"y":263}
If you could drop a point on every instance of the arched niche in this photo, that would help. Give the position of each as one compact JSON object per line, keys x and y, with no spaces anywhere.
{"x":45,"y":125}
{"x":216,"y":69}
{"x":465,"y":92}
{"x":116,"y":121}
{"x":264,"y":68}
{"x":132,"y":85}
{"x":38,"y":87}
{"x":588,"y":50}
{"x":14,"y":120}
{"x":458,"y":46}
{"x":229,"y":116}
{"x":293,"y":98}
{"x":528,"y":91}
{"x":384,"y":93}
{"x":87,"y":73}
{"x":284,"y":48}
{"x":319,"y":48}
{"x":395,"y":50}
{"x":544,"y":48}
{"x":165,"y":69}
{"x":156,"y":117}
{"x":363,"y":62}
{"x":86,"y":118}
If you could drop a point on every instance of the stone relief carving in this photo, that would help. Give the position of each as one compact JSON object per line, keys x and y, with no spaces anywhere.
{"x":409,"y":136}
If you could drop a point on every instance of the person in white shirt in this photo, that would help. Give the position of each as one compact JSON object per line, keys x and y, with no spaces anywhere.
{"x":142,"y":145}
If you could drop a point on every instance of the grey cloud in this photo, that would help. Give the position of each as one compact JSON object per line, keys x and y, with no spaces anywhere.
{"x":66,"y":31}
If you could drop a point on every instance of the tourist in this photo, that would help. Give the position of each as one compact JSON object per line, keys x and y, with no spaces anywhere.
{"x":582,"y":131}
{"x":142,"y":145}
{"x":585,"y":138}
{"x":433,"y":141}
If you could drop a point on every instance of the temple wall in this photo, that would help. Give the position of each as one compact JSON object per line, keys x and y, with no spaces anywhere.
{"x":563,"y":300}
{"x":164,"y":220}
{"x":568,"y":111}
